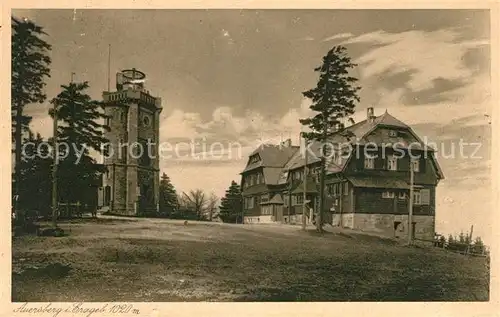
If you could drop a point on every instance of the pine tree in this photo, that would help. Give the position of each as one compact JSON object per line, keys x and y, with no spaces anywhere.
{"x":30,"y":66}
{"x":232,"y":205}
{"x":168,"y":196}
{"x":80,"y":131}
{"x":461,"y":237}
{"x":451,"y":239}
{"x":333,"y":99}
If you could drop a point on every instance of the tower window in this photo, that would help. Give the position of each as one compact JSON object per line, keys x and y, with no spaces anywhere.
{"x":146,"y":121}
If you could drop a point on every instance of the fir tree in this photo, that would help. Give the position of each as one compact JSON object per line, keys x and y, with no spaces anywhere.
{"x":80,"y":131}
{"x":333,"y":99}
{"x":168,"y":196}
{"x":232,"y":205}
{"x":30,"y":66}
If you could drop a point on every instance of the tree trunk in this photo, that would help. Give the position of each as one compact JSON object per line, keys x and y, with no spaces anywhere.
{"x":319,"y":220}
{"x":17,"y":169}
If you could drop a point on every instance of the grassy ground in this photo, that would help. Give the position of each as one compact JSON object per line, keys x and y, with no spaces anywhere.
{"x":161,"y":260}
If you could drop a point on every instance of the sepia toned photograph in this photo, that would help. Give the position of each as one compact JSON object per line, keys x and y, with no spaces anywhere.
{"x":250,"y":155}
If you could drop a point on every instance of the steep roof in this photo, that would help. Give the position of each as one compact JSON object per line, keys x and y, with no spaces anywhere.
{"x":312,"y":187}
{"x":271,"y":155}
{"x":378,"y":182}
{"x":272,"y":174}
{"x":290,"y":158}
{"x":360,"y":133}
{"x":275,"y":200}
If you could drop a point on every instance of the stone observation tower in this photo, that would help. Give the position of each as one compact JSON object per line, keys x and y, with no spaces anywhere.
{"x":131,"y":185}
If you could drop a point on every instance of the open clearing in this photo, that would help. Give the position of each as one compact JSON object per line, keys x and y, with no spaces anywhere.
{"x":164,"y":260}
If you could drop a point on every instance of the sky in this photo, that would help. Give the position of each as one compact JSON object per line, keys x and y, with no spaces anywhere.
{"x":234,"y":77}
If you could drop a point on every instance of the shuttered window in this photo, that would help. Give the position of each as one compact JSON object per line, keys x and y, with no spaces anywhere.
{"x":425,"y":197}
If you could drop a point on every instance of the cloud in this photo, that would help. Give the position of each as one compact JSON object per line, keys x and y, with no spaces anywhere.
{"x":338,"y":37}
{"x":428,"y":55}
{"x":180,"y":124}
{"x":306,"y":38}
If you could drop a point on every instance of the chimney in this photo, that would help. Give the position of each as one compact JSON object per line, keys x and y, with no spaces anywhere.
{"x":370,"y":115}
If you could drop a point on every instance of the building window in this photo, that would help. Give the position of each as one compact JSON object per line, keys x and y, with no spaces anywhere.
{"x":416,"y":165}
{"x":392,"y":163}
{"x":249,"y":202}
{"x":369,"y":163}
{"x":329,"y":189}
{"x":417,"y":198}
{"x":393,"y":133}
{"x":346,"y":188}
{"x":264,"y":198}
{"x":108,"y":121}
{"x":425,"y":196}
{"x":402,"y":195}
{"x":300,"y":199}
{"x":254,"y":159}
{"x":337,"y":158}
{"x":297,"y":175}
{"x":266,"y":210}
{"x":285,"y":200}
{"x":335,"y":189}
{"x":388,"y":194}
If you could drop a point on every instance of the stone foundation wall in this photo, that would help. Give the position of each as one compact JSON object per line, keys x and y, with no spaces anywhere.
{"x":395,"y":225}
{"x":343,"y":220}
{"x":258,"y":219}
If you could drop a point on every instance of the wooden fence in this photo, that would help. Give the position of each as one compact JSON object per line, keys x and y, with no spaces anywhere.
{"x":70,"y":210}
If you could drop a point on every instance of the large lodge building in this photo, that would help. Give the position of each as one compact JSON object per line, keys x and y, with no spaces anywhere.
{"x":367,"y":183}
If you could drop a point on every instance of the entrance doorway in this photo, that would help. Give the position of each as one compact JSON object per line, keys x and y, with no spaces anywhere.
{"x":398,"y":229}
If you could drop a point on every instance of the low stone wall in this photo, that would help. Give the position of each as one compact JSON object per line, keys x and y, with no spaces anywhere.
{"x":258,"y":219}
{"x":343,"y":220}
{"x":395,"y":225}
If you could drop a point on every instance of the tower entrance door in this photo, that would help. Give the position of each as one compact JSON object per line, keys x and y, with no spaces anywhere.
{"x":146,"y":201}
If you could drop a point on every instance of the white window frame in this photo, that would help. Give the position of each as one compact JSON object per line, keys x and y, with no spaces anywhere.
{"x":346,"y":188}
{"x":402,"y":195}
{"x":388,"y":194}
{"x":417,"y":198}
{"x":299,"y":199}
{"x":392,"y":163}
{"x":369,"y":163}
{"x":416,"y":165}
{"x":249,"y":202}
{"x":393,"y":133}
